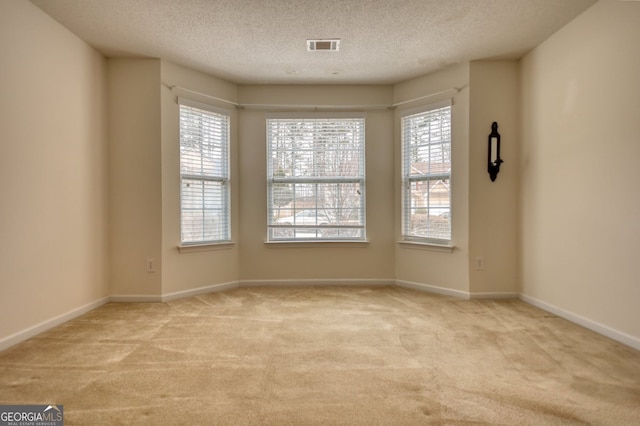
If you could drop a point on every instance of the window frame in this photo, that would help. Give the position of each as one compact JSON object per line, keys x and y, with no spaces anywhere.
{"x":408,"y":178}
{"x":223,"y":178}
{"x":316,"y":182}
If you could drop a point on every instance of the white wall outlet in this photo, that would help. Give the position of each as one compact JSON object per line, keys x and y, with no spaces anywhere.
{"x":479,"y":263}
{"x":151,"y":264}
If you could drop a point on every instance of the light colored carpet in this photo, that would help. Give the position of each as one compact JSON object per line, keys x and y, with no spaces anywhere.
{"x":325,"y":355}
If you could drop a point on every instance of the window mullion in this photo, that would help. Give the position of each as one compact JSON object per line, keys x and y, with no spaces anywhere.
{"x":204,"y":173}
{"x":319,"y":182}
{"x":426,"y":165}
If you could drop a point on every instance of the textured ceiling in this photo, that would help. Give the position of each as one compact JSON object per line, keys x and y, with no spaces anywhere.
{"x":264,"y":41}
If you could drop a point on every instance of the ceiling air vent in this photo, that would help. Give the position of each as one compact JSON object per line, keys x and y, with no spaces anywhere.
{"x":327,"y":45}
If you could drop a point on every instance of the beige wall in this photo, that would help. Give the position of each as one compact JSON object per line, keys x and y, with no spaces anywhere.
{"x":415,"y":264}
{"x":580,"y":203}
{"x":493,"y":206}
{"x":135,"y":209}
{"x":193,"y":270}
{"x":53,"y":170}
{"x":320,"y":261}
{"x":145,"y":181}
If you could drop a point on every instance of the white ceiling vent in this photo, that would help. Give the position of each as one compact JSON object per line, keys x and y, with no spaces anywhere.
{"x":326,"y":44}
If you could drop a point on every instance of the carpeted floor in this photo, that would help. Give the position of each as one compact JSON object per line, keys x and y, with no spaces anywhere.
{"x":325,"y":356}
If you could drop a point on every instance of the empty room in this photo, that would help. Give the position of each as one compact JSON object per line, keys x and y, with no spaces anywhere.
{"x":293,"y":212}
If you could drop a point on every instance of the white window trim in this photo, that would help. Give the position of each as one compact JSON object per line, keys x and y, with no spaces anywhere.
{"x":196,"y":247}
{"x":315,"y":242}
{"x":203,"y":245}
{"x":444,"y":248}
{"x":413,"y":241}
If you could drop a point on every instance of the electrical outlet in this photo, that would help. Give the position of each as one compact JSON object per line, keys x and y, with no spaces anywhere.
{"x":151,"y":264}
{"x":479,"y":263}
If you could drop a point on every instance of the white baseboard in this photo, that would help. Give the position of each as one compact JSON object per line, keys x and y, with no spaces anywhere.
{"x":314,"y":282}
{"x":135,"y":298}
{"x":30,"y":332}
{"x":495,"y":295}
{"x":609,"y":332}
{"x":433,"y":289}
{"x":214,"y":288}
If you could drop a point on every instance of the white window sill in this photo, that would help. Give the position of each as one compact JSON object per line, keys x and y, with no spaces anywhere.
{"x":191,"y":248}
{"x":316,"y":244}
{"x":443,"y":248}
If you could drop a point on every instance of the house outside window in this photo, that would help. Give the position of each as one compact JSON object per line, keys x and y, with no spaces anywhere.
{"x":426,"y":174}
{"x":204,"y":174}
{"x":316,"y":177}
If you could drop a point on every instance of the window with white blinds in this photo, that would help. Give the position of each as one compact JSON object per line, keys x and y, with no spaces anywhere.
{"x":426,"y":174}
{"x":204,"y":174}
{"x":316,"y":178}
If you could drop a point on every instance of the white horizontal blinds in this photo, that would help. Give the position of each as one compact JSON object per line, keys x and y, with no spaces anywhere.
{"x":316,"y":178}
{"x":426,"y":163}
{"x":204,"y":173}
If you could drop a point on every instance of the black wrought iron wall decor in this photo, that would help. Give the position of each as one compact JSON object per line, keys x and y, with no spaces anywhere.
{"x":494,"y":159}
